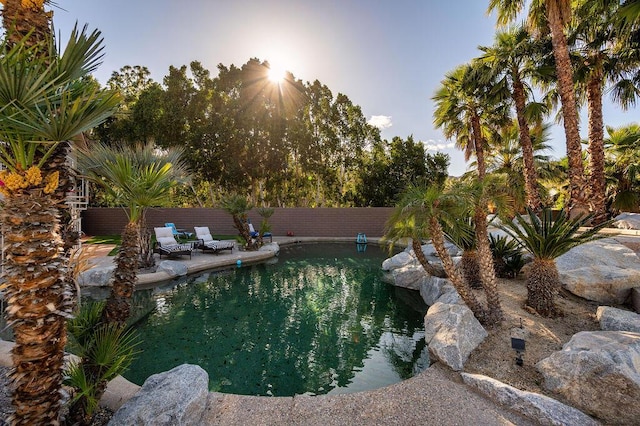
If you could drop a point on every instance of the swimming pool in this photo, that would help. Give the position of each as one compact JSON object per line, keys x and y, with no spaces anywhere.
{"x":317,"y":320}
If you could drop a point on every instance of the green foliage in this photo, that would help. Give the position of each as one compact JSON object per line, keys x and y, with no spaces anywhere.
{"x":547,"y":238}
{"x":507,"y":256}
{"x":105,"y":350}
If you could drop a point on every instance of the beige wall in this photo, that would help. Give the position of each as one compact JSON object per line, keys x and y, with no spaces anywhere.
{"x":303,"y":222}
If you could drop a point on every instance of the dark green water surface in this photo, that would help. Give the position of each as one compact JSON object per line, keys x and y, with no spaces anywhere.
{"x":317,"y":320}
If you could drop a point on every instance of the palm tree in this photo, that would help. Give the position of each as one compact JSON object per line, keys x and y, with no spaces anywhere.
{"x":465,"y":109}
{"x":421,"y":209}
{"x":26,"y":21}
{"x":623,"y":167}
{"x":552,"y":16}
{"x":44,"y":101}
{"x":546,"y":239}
{"x":512,"y":57}
{"x":606,"y":57}
{"x":238,"y":206}
{"x":138,"y":177}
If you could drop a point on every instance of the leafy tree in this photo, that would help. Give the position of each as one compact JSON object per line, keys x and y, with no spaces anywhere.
{"x":44,"y":102}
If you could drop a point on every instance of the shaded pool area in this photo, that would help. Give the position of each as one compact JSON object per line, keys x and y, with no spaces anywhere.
{"x":316,"y":320}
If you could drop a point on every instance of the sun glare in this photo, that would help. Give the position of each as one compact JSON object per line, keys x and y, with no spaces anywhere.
{"x":276,"y":73}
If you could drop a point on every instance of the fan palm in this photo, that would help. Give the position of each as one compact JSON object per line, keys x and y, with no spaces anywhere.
{"x":44,"y":102}
{"x":137,"y":177}
{"x":607,"y":57}
{"x":552,"y":16}
{"x":546,"y":239}
{"x":511,"y":56}
{"x":238,"y":206}
{"x":623,"y":167}
{"x":419,"y":213}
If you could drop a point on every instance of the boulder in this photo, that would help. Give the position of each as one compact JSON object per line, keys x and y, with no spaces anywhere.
{"x":173,"y":267}
{"x":271,"y":247}
{"x":452,"y":333}
{"x":614,"y":319}
{"x":99,"y":276}
{"x":598,"y":373}
{"x":408,"y":276}
{"x":175,"y":397}
{"x":627,"y":221}
{"x":635,"y":299}
{"x":398,"y":261}
{"x":604,"y":271}
{"x":545,"y":410}
{"x":434,"y":289}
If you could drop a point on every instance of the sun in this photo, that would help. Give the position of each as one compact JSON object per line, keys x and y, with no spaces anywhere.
{"x":276,"y":73}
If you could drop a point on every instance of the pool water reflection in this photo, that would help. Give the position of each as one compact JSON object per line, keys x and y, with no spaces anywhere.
{"x":318,"y":320}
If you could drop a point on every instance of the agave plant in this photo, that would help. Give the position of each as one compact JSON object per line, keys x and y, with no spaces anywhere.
{"x":546,"y":239}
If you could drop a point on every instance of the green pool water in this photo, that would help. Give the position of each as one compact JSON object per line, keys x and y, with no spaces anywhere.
{"x":317,"y":320}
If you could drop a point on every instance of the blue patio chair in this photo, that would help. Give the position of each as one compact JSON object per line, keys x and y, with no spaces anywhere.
{"x":180,"y":233}
{"x":256,"y":234}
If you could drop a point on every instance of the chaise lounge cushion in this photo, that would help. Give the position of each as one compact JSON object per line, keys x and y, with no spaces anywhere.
{"x":206,"y":241}
{"x":166,"y":244}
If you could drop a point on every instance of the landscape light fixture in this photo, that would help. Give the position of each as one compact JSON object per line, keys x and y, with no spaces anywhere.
{"x":518,"y":343}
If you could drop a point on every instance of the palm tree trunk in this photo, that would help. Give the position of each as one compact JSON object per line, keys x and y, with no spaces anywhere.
{"x":596,"y":146}
{"x":542,"y":286}
{"x":461,"y":286}
{"x":19,"y":20}
{"x":578,"y":190}
{"x":416,"y":244}
{"x":530,"y":173}
{"x":37,"y":305}
{"x":118,"y":305}
{"x":478,"y":146}
{"x":470,"y":268}
{"x":487,"y":270}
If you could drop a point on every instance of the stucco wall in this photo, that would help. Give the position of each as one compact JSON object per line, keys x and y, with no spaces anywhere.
{"x":303,"y":222}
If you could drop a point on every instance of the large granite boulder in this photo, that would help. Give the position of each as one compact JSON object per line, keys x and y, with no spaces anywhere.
{"x":173,"y":267}
{"x":627,"y":221}
{"x":614,"y":319}
{"x":175,"y":397}
{"x":545,"y":410}
{"x":271,"y":247}
{"x":604,"y":271}
{"x":98,"y":276}
{"x":452,"y":332}
{"x":598,"y":372}
{"x":408,"y":276}
{"x":434,"y":289}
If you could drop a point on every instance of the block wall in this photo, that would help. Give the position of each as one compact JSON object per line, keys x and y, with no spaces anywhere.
{"x":303,"y":222}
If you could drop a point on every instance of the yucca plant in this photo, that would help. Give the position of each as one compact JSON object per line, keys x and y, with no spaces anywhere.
{"x":238,"y":206}
{"x":105,"y":351}
{"x":546,"y":239}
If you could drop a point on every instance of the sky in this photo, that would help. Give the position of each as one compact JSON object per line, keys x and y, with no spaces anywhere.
{"x":388,"y":57}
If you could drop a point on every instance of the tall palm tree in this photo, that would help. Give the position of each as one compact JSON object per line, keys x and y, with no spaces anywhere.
{"x":26,"y":21}
{"x":607,"y":56}
{"x":511,"y":56}
{"x":552,"y":16}
{"x":422,"y":209}
{"x":547,"y":238}
{"x":138,"y":177}
{"x":466,"y":110}
{"x":44,"y":101}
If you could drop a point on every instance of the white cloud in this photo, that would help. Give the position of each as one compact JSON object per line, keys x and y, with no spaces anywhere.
{"x":432,"y":145}
{"x":380,"y":121}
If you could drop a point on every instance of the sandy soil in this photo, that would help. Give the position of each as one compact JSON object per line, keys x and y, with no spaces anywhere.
{"x":495,"y":357}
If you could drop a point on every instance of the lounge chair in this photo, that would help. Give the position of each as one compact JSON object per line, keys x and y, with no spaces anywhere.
{"x":166,"y":244}
{"x":178,"y":233}
{"x":207,"y":243}
{"x":256,"y":234}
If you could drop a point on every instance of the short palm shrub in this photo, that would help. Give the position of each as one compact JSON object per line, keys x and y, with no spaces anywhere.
{"x":105,"y":351}
{"x":461,"y":234}
{"x":546,"y":239}
{"x":507,"y":256}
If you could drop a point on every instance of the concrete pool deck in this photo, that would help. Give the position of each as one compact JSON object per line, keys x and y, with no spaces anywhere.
{"x":436,"y":396}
